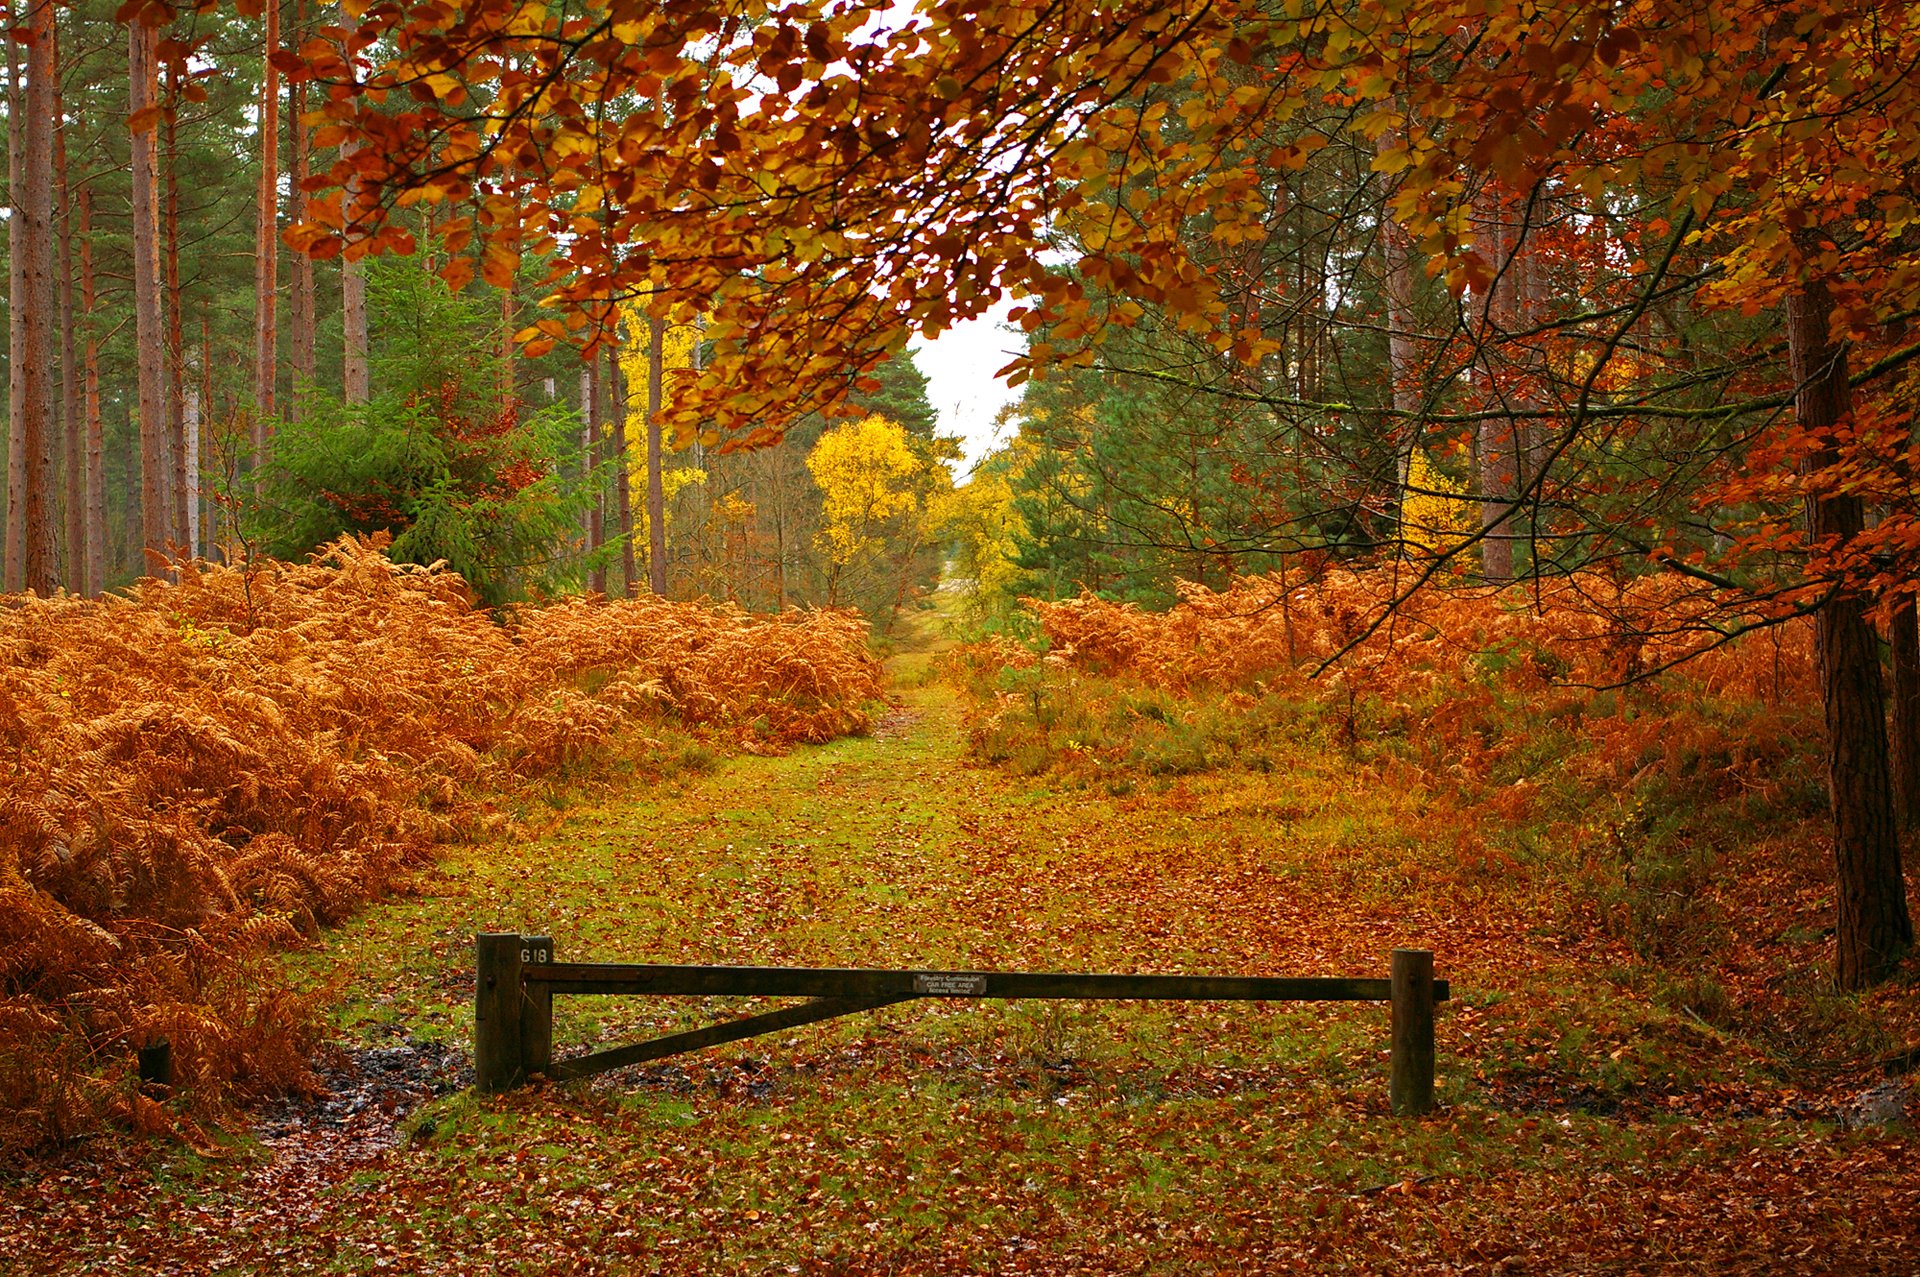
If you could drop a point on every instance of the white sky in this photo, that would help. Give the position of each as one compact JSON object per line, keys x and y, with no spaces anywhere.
{"x":959,"y":365}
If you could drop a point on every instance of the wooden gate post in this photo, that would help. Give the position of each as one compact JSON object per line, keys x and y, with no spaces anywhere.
{"x":497,"y":1062}
{"x":1410,"y":1089}
{"x":536,"y":1012}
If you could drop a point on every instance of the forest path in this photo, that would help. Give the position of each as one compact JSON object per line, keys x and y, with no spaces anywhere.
{"x":978,"y":1137}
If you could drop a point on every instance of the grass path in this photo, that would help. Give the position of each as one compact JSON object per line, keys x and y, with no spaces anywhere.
{"x":989,"y":1137}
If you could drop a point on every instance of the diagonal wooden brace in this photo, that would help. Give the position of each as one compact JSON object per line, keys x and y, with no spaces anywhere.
{"x":714,"y":1034}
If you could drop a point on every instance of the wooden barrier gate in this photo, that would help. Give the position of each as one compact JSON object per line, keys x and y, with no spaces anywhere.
{"x":516,"y":979}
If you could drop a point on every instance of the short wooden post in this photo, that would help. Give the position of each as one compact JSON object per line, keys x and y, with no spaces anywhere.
{"x":156,"y":1065}
{"x":1411,"y":1087}
{"x":536,"y":1012}
{"x":497,"y":1003}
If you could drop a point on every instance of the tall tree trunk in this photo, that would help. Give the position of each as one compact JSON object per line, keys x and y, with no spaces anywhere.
{"x":96,"y":487}
{"x":354,"y":380}
{"x":623,"y":480}
{"x":32,"y":555}
{"x":220,"y":525}
{"x":266,"y":247}
{"x":1903,"y":624}
{"x":1497,"y":444}
{"x":301,"y":305}
{"x":656,"y":487}
{"x":1873,"y":928}
{"x":591,"y":397}
{"x":190,"y":487}
{"x":1397,"y":248}
{"x":586,"y":455}
{"x":509,"y":396}
{"x":72,"y":387}
{"x":13,"y":575}
{"x":156,"y":503}
{"x":183,"y":462}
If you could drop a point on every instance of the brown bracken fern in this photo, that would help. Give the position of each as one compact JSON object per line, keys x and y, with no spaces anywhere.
{"x":199,"y":772}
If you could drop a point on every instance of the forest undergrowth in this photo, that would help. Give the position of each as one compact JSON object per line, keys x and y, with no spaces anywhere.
{"x":1620,"y":1089}
{"x":1591,"y":746}
{"x":204,"y":771}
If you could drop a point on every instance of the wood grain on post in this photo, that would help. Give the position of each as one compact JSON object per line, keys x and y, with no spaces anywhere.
{"x":536,"y":1011}
{"x":497,"y":1003}
{"x":1411,"y":1086}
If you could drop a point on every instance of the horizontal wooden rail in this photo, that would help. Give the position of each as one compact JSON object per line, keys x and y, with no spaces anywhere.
{"x":517,"y":979}
{"x":862,"y":982}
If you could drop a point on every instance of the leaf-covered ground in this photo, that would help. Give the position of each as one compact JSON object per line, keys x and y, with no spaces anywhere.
{"x":1582,"y":1129}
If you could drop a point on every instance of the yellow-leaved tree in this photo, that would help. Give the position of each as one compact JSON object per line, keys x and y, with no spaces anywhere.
{"x":1436,"y":515}
{"x":977,"y":520}
{"x":876,"y":485}
{"x":652,"y":348}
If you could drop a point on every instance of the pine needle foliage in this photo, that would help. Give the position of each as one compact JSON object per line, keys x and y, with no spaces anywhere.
{"x":199,"y":772}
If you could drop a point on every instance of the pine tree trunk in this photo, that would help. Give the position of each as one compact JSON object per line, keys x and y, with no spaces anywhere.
{"x":96,"y":490}
{"x":656,"y":487}
{"x":586,"y":457}
{"x":1497,"y":450}
{"x":509,"y":387}
{"x":1398,"y":251}
{"x":1903,"y":620}
{"x":32,"y":548}
{"x":355,"y":381}
{"x":184,"y":478}
{"x":190,"y":438}
{"x":623,"y":476}
{"x":1873,"y":928}
{"x":301,"y":306}
{"x":72,"y":387}
{"x":149,"y":351}
{"x":591,"y":397}
{"x":218,"y":532}
{"x":1903,"y":625}
{"x":13,"y":576}
{"x":266,"y":248}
